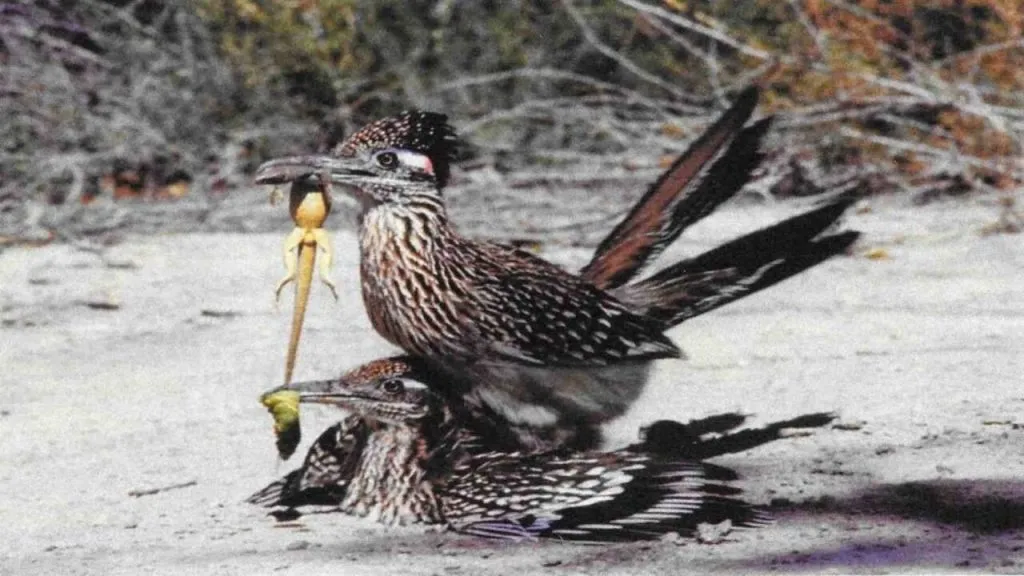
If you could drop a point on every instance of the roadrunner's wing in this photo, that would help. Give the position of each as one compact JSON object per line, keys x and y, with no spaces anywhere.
{"x":607,"y":497}
{"x":323,"y":478}
{"x":529,"y":311}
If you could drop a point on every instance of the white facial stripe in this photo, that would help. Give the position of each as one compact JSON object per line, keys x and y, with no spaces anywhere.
{"x":411,"y":384}
{"x":415,"y":160}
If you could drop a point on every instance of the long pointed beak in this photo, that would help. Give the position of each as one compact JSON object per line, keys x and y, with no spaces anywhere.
{"x":315,"y":391}
{"x":291,"y":168}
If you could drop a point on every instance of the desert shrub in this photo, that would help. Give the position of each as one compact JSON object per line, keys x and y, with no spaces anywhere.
{"x":110,"y":98}
{"x":127,"y":98}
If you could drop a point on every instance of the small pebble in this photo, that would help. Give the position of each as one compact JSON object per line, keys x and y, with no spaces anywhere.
{"x":211,"y":313}
{"x":122,"y":264}
{"x":100,"y":304}
{"x":713,"y":533}
{"x":673,"y":538}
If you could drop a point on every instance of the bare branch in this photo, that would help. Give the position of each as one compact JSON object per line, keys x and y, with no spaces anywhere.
{"x":626,"y":63}
{"x":710,"y":33}
{"x":1013,"y":165}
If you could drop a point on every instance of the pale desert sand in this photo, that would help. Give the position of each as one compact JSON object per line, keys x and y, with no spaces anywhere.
{"x":920,"y":353}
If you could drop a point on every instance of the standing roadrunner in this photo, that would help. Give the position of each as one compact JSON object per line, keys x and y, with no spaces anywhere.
{"x":550,"y":354}
{"x":403,"y":457}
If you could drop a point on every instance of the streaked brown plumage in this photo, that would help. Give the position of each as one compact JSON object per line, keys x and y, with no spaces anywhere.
{"x":416,"y":463}
{"x":549,"y":353}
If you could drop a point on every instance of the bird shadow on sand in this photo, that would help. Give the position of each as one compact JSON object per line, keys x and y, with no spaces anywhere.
{"x":976,"y":506}
{"x":721,"y":434}
{"x":965,"y":523}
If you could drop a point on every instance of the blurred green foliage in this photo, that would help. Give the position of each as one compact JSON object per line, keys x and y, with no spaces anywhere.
{"x":152,"y":89}
{"x":373,"y":56}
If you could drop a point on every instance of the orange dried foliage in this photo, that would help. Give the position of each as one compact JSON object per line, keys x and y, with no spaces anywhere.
{"x":1009,"y":12}
{"x":130,"y":184}
{"x":174,"y":190}
{"x":868,"y":39}
{"x":974,"y":135}
{"x":126,"y":184}
{"x":910,"y":164}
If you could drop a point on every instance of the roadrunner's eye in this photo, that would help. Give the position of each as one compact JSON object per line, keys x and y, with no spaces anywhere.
{"x":387,"y":160}
{"x":393,"y":386}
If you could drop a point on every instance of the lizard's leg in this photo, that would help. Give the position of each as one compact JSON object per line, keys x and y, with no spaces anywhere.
{"x":291,"y":259}
{"x":323,"y":242}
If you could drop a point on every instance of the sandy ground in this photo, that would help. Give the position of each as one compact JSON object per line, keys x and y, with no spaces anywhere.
{"x":131,"y":431}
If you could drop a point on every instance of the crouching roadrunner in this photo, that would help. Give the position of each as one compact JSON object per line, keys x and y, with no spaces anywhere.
{"x":550,"y":353}
{"x":404,"y":457}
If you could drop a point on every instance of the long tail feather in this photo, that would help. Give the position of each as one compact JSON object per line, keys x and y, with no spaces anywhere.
{"x":741,"y":267}
{"x":711,"y":171}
